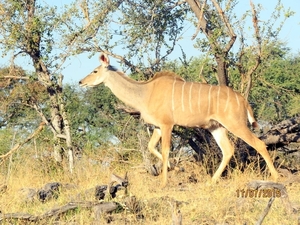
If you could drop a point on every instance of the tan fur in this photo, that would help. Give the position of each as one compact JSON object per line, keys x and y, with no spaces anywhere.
{"x":167,"y":100}
{"x":166,"y":74}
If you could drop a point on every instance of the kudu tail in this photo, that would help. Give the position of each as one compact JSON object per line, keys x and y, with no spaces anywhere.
{"x":251,"y":116}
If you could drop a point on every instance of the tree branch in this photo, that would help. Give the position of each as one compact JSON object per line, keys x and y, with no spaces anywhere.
{"x":85,"y":10}
{"x":227,"y":24}
{"x":259,"y":53}
{"x":199,"y":22}
{"x":15,"y":77}
{"x":49,"y":124}
{"x":121,"y":58}
{"x":17,"y":146}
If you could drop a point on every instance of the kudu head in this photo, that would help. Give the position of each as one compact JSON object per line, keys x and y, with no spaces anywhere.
{"x":99,"y":74}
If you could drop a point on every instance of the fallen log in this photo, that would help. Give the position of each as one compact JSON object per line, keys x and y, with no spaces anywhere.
{"x":49,"y":191}
{"x":273,"y":190}
{"x":103,"y":207}
{"x":52,"y":191}
{"x":110,"y":189}
{"x":283,"y":133}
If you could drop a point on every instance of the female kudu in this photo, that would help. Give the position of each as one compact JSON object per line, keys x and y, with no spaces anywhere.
{"x":167,"y":100}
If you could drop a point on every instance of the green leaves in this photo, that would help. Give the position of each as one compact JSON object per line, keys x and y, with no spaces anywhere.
{"x":95,"y":119}
{"x":276,"y":86}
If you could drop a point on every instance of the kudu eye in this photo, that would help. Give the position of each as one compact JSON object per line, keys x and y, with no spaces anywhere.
{"x":95,"y":71}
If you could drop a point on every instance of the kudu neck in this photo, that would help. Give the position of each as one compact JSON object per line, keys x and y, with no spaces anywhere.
{"x":129,"y":91}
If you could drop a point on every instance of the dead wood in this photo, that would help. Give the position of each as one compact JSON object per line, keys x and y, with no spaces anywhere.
{"x":128,"y":110}
{"x":100,"y":209}
{"x":110,"y":189}
{"x":154,"y":169}
{"x":121,"y":181}
{"x":18,"y":216}
{"x":49,"y":191}
{"x":105,"y":208}
{"x":52,"y":191}
{"x":289,"y":177}
{"x":265,"y":212}
{"x":283,"y":133}
{"x":101,"y":191}
{"x":17,"y":146}
{"x":273,"y":188}
{"x":176,"y":213}
{"x":176,"y":217}
{"x":30,"y":194}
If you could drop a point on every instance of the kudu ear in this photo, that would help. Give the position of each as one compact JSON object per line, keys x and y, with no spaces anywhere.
{"x":104,"y":59}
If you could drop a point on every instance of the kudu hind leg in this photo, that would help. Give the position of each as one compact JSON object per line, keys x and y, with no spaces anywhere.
{"x":220,"y":135}
{"x":246,"y":135}
{"x":165,"y":149}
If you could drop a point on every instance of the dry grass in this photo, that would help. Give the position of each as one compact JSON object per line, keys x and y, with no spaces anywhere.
{"x":201,"y":203}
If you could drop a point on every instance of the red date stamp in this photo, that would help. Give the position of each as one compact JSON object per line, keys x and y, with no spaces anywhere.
{"x":261,"y":193}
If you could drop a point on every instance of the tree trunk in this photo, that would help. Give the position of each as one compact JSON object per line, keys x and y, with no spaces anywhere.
{"x":220,"y":50}
{"x":58,"y":122}
{"x":66,"y":128}
{"x":221,"y":71}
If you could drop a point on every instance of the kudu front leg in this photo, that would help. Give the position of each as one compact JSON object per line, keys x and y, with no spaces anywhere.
{"x":156,"y":135}
{"x":153,"y":143}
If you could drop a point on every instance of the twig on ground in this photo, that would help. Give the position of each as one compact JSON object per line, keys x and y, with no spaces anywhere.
{"x":265,"y":212}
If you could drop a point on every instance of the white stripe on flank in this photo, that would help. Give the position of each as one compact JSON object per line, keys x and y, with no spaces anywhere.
{"x":208,"y":108}
{"x":218,"y":101}
{"x":227,"y":100}
{"x":237,"y":99}
{"x":173,"y":91}
{"x":199,"y":102}
{"x":182,"y":96}
{"x":190,"y":98}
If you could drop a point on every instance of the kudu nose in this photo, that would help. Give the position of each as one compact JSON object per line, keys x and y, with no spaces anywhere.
{"x":79,"y":82}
